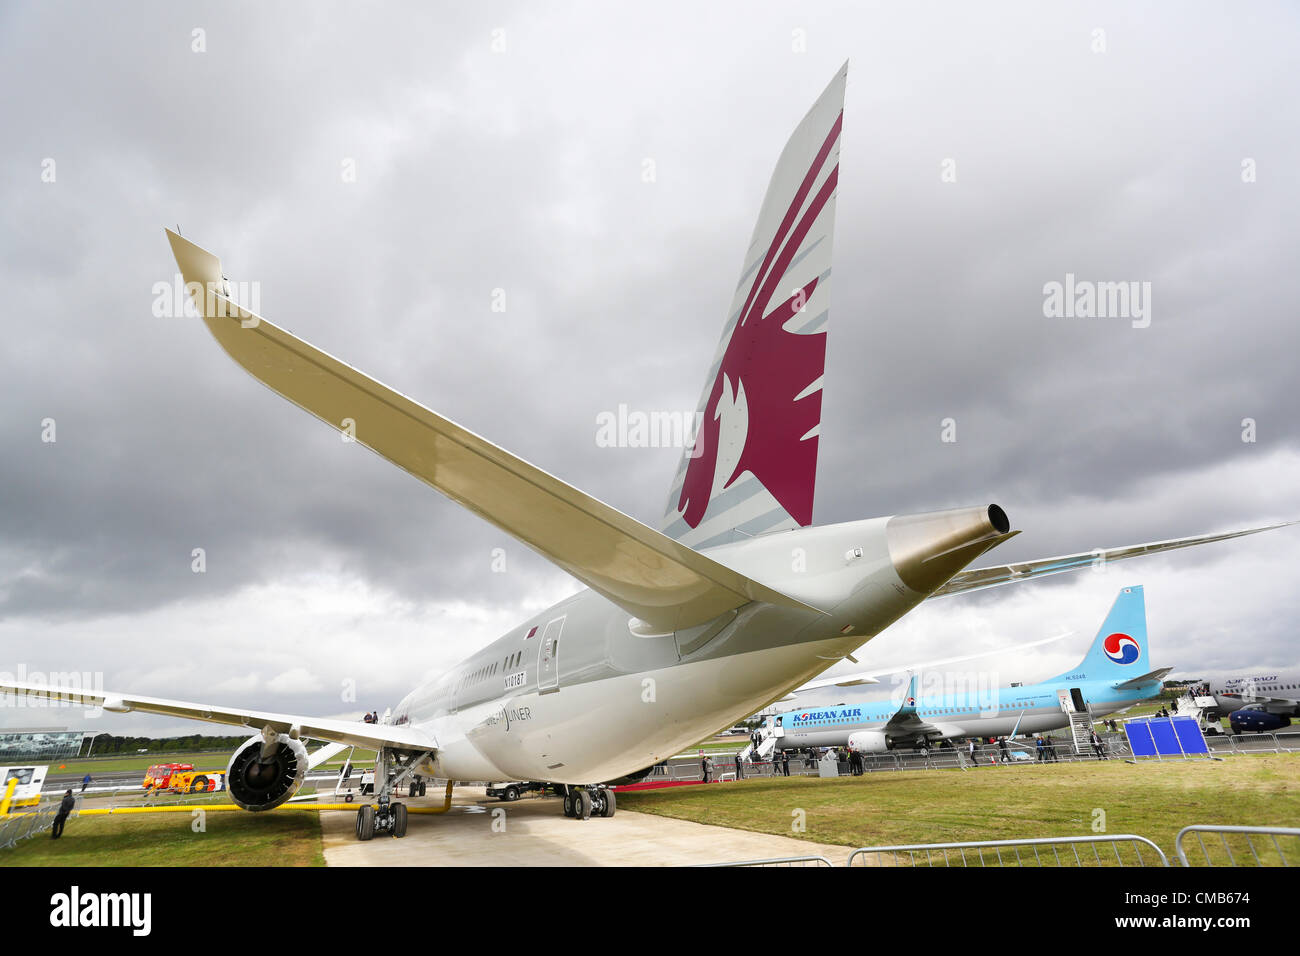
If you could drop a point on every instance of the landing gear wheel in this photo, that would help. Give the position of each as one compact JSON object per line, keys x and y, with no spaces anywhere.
{"x":399,"y":819}
{"x":412,"y":791}
{"x":582,"y":805}
{"x":422,"y":786}
{"x":608,"y":803}
{"x":366,"y":823}
{"x":511,"y":794}
{"x":568,"y":804}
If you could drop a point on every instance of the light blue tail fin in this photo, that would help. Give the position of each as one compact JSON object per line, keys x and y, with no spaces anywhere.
{"x":1119,"y":650}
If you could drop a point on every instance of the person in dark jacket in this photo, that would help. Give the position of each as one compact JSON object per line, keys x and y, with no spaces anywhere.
{"x":706,"y":768}
{"x":66,"y":806}
{"x":785,"y":762}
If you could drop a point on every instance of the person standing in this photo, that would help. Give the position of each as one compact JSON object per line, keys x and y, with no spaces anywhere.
{"x":66,"y":806}
{"x":1041,"y":748}
{"x":85,"y":782}
{"x":1002,"y":746}
{"x":785,"y":762}
{"x":970,"y":750}
{"x":706,"y":767}
{"x":740,"y":767}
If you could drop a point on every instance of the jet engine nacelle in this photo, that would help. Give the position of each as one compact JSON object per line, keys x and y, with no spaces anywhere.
{"x":1248,"y":720}
{"x":258,"y":783}
{"x":869,"y":742}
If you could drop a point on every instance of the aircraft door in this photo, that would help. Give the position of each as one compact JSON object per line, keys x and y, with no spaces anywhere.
{"x":1077,"y":696}
{"x":548,"y":658}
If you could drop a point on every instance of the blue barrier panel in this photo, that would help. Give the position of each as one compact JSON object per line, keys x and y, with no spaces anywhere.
{"x":1162,"y":732}
{"x":1165,"y":737}
{"x":1190,"y":736}
{"x":1139,"y":738}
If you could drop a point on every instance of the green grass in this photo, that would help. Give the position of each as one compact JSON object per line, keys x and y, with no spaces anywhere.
{"x":167,"y":839}
{"x":208,"y":760}
{"x":215,"y":760}
{"x":1154,"y":800}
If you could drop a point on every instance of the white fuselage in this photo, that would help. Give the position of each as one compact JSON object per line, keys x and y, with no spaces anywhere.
{"x":1275,"y":688}
{"x":1020,"y":710}
{"x":584,"y":700}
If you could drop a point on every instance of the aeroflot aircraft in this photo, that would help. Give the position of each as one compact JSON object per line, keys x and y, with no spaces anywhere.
{"x":1111,"y":677}
{"x":683,"y":630}
{"x":1261,"y":703}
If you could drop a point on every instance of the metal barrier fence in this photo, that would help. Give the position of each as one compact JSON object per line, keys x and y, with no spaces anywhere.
{"x":20,"y":826}
{"x":1224,"y":832}
{"x":776,"y":861}
{"x":907,"y":854}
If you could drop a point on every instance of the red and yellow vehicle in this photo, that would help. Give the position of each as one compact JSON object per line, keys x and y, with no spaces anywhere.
{"x":183,"y":778}
{"x":159,"y":776}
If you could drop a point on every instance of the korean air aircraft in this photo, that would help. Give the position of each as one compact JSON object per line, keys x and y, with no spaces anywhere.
{"x":1112,"y":676}
{"x":733,"y":601}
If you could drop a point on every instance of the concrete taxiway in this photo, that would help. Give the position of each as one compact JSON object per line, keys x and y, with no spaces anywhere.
{"x":478,"y":831}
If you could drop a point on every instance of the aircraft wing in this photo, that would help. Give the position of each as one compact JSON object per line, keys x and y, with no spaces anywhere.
{"x":904,"y":721}
{"x":980,"y":578}
{"x":667,"y":586}
{"x":352,"y":733}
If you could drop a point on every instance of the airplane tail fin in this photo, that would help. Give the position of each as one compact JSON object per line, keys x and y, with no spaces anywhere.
{"x":753,"y":465}
{"x":1119,"y":650}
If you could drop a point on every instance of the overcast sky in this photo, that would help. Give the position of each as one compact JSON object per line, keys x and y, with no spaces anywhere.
{"x":381,"y":170}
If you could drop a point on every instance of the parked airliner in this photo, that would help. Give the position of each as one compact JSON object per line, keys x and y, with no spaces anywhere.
{"x":681,"y":631}
{"x":1111,"y":677}
{"x":1261,"y":702}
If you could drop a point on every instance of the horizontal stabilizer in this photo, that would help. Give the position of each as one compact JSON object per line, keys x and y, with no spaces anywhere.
{"x":1158,"y":674}
{"x":980,"y":578}
{"x":667,"y":586}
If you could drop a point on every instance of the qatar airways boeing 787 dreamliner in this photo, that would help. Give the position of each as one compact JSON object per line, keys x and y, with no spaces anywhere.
{"x":681,"y":631}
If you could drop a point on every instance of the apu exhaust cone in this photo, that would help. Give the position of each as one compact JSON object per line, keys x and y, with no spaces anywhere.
{"x":928,"y":549}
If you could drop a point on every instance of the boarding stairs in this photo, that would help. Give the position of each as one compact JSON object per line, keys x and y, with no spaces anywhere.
{"x":771,"y":733}
{"x":1081,"y":732}
{"x":1200,"y":708}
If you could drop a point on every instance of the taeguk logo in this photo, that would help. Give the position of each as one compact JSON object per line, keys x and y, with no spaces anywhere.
{"x":1121,"y":648}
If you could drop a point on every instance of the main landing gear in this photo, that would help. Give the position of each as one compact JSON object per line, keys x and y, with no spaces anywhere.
{"x":583,"y":803}
{"x":384,"y":817}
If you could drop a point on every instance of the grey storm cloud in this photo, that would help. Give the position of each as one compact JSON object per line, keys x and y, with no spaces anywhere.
{"x":506,"y":149}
